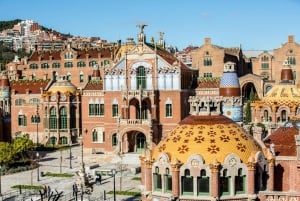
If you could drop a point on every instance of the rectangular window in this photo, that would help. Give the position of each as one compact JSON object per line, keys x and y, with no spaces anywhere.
{"x":101,"y":109}
{"x":157,"y":182}
{"x":168,"y":183}
{"x":203,"y":185}
{"x":22,"y":120}
{"x":265,"y":65}
{"x":169,"y":110}
{"x":187,"y":185}
{"x":53,"y":123}
{"x":115,"y":111}
{"x":239,"y":184}
{"x":224,"y":185}
{"x":80,"y":78}
{"x":95,"y":109}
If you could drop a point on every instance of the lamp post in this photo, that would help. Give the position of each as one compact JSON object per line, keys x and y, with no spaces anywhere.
{"x":36,"y":119}
{"x":38,"y":168}
{"x":70,"y":145}
{"x":113,"y":171}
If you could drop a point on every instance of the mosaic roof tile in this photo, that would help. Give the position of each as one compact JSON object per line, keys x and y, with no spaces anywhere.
{"x":213,"y":137}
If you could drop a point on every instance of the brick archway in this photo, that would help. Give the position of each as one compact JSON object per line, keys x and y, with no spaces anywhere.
{"x":255,"y":80}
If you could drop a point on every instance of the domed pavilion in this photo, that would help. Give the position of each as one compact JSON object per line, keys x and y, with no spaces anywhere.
{"x":206,"y":157}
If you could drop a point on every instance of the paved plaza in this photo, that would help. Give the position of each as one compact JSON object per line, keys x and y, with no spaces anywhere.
{"x":59,"y":162}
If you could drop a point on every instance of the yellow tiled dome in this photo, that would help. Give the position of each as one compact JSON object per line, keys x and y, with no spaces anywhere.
{"x":282,"y":94}
{"x":62,"y":86}
{"x":213,"y":137}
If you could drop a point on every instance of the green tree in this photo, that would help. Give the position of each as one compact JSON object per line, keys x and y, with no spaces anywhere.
{"x":252,"y":97}
{"x":20,"y":147}
{"x":6,"y":154}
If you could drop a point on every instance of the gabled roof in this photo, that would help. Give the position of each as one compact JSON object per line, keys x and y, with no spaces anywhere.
{"x":167,"y":56}
{"x":94,"y":85}
{"x":284,"y":140}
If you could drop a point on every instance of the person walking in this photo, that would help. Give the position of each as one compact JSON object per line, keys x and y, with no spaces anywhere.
{"x":49,"y":191}
{"x":45,"y":191}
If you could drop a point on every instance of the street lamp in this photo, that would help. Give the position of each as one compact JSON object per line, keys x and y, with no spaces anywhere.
{"x":113,"y":171}
{"x":36,"y":119}
{"x":70,"y":145}
{"x":38,"y":168}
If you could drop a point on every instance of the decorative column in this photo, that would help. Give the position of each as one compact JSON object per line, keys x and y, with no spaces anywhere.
{"x":176,"y":177}
{"x":148,"y":174}
{"x":271,"y":163}
{"x":214,"y":184}
{"x":251,"y":176}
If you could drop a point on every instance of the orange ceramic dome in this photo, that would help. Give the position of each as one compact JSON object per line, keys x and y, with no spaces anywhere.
{"x":62,"y":86}
{"x":213,"y":137}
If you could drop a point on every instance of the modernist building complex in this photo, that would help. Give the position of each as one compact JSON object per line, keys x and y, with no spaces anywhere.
{"x":185,"y":120}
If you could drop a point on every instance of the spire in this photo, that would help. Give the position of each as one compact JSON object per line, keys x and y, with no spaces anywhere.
{"x":141,"y":36}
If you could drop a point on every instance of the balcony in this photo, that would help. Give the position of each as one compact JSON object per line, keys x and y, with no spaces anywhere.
{"x":137,"y":93}
{"x":138,"y":122}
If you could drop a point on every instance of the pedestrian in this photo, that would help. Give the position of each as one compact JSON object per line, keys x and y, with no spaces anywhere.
{"x":45,"y":191}
{"x":49,"y":191}
{"x":99,"y":176}
{"x":74,"y":187}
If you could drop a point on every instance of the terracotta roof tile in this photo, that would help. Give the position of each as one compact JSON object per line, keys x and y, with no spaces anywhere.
{"x":94,"y":85}
{"x":34,"y":86}
{"x":284,"y":140}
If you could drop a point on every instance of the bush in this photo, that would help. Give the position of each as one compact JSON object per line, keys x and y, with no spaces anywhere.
{"x":49,"y":174}
{"x":129,"y":193}
{"x":28,"y":187}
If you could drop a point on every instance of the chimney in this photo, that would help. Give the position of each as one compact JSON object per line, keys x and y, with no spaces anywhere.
{"x":207,"y":41}
{"x":291,"y":39}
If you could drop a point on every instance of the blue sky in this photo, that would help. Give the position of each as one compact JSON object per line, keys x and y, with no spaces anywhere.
{"x":255,"y":24}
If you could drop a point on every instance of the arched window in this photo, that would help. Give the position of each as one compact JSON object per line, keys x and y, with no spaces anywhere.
{"x":95,"y":136}
{"x":203,"y":183}
{"x":69,"y":76}
{"x":68,"y":65}
{"x":33,"y":66}
{"x":187,"y":183}
{"x":56,"y":65}
{"x":168,"y":181}
{"x":266,"y":115}
{"x":291,"y":60}
{"x":69,"y":55}
{"x":239,"y":182}
{"x":63,"y":118}
{"x":169,"y":111}
{"x":141,"y":77}
{"x":34,"y":101}
{"x":20,"y":101}
{"x":81,"y":64}
{"x":283,"y":116}
{"x":268,"y":88}
{"x":114,"y":140}
{"x":92,"y":63}
{"x":157,"y":180}
{"x":22,"y":120}
{"x":224,"y":183}
{"x":53,"y":122}
{"x":45,"y":65}
{"x":64,"y":140}
{"x":144,"y":110}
